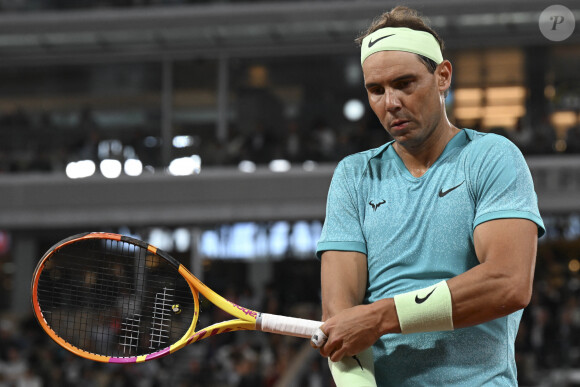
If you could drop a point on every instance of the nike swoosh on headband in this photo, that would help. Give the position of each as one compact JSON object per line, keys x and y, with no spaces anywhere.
{"x":372,"y":43}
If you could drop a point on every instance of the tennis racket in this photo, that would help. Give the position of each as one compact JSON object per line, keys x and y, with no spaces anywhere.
{"x":116,"y":299}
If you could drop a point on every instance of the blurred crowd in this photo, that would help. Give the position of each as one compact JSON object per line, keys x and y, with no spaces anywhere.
{"x":37,"y":144}
{"x":549,"y":335}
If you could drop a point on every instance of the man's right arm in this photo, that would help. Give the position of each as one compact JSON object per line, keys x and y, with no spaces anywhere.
{"x":344,"y":277}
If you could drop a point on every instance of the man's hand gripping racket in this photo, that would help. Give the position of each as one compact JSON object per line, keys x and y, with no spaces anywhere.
{"x":116,"y":299}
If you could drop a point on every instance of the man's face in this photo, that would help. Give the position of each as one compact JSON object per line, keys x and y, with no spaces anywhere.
{"x":404,"y":95}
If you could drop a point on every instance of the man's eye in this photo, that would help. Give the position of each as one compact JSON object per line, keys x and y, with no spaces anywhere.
{"x":403,"y":84}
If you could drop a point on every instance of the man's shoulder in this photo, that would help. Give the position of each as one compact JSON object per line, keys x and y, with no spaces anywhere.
{"x":361,"y":160}
{"x":482,"y":143}
{"x":355,"y":167}
{"x":486,"y":138}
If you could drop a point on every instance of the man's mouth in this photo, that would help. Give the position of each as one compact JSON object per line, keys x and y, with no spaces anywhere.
{"x":399,"y":124}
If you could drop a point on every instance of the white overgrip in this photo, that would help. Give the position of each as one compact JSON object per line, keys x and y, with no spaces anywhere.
{"x":283,"y":325}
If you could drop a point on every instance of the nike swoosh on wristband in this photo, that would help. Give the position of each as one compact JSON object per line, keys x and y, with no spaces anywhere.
{"x":443,"y":193}
{"x":371,"y":43}
{"x":359,"y":363}
{"x":422,"y":300}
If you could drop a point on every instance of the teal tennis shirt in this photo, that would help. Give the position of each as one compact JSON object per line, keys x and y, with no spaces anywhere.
{"x":416,"y":232}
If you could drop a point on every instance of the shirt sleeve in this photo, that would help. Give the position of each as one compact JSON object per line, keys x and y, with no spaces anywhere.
{"x":502,"y":184}
{"x":342,"y":230}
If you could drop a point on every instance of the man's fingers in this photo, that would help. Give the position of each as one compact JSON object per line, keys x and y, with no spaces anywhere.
{"x":318,"y":338}
{"x":337,"y":355}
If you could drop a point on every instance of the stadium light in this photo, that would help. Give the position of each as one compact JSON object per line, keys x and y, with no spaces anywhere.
{"x":111,"y":168}
{"x":80,"y":169}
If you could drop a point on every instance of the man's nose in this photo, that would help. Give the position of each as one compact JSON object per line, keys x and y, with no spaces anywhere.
{"x":392,"y":101}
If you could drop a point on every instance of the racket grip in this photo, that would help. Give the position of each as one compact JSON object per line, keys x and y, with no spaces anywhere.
{"x":287,"y":325}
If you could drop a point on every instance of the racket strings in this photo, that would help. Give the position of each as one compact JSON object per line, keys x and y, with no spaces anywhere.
{"x":114,"y":298}
{"x":161,"y":318}
{"x":130,"y":334}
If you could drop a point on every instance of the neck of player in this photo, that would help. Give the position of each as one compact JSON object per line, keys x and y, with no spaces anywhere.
{"x":419,"y":156}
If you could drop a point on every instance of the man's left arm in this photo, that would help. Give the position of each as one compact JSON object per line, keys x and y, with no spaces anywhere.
{"x":502,"y":283}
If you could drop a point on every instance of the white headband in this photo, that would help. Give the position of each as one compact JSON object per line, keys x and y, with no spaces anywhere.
{"x":401,"y":39}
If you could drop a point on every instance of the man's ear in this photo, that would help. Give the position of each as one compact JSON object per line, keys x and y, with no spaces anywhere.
{"x":443,"y":72}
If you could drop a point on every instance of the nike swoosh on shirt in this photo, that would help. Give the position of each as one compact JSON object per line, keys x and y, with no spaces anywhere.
{"x":443,"y":193}
{"x":372,"y":43}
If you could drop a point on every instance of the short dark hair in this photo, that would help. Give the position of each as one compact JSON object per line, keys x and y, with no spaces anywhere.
{"x":402,"y":16}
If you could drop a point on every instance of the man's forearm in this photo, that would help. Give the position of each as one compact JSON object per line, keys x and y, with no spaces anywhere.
{"x":343,"y":281}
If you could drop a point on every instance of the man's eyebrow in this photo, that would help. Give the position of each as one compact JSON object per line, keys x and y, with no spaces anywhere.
{"x":370,"y":85}
{"x":404,"y":77}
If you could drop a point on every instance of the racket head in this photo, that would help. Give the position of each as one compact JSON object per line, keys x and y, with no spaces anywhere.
{"x":112,"y":298}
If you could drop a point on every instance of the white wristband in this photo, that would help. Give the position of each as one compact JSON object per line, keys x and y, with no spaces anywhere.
{"x":425,"y":310}
{"x":354,"y":371}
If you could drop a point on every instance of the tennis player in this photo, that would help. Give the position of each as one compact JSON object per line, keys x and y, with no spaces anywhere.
{"x":429,"y":244}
